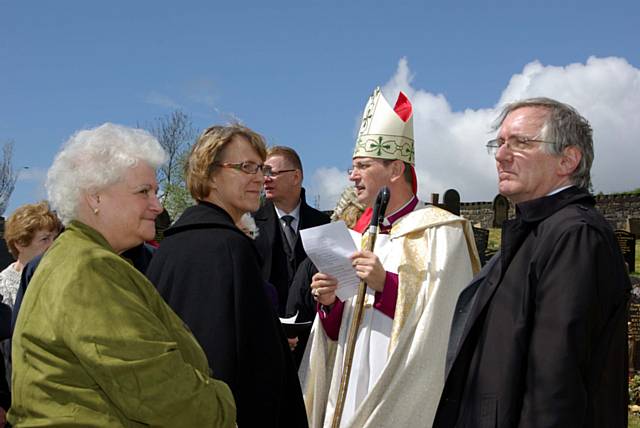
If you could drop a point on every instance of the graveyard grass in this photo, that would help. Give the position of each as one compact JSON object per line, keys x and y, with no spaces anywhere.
{"x":634,"y":420}
{"x":494,"y":239}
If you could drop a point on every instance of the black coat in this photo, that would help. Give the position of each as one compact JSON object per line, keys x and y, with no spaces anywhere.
{"x":301,"y":301}
{"x":208,"y":271}
{"x":539,"y":338}
{"x":279,"y":267}
{"x":5,"y":333}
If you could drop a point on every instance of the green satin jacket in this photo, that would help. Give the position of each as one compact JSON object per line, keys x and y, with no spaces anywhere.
{"x":96,"y":346}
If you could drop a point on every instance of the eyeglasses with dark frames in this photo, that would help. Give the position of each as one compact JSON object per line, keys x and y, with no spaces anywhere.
{"x":268,"y":172}
{"x":515,"y":144}
{"x":247,"y":167}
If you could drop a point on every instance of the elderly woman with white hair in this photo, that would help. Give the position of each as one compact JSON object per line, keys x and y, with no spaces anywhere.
{"x":95,"y":344}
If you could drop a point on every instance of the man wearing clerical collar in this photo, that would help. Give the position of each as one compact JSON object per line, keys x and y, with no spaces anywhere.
{"x":422,"y":258}
{"x":539,"y":336}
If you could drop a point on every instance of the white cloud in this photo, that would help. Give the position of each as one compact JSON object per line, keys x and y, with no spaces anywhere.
{"x":450,"y":149}
{"x":327,"y":186}
{"x":198,"y":91}
{"x":201,"y":91}
{"x":29,"y":188}
{"x":161,"y":100}
{"x":606,"y":91}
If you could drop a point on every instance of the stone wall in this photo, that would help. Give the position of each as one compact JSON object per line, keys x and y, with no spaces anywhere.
{"x":478,"y":213}
{"x":615,"y":208}
{"x":618,"y":208}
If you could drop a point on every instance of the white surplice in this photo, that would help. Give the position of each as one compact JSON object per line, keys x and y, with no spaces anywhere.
{"x":398,"y":367}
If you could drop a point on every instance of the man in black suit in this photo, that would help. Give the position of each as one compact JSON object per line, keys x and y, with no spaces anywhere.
{"x":539,"y":337}
{"x":281,"y":218}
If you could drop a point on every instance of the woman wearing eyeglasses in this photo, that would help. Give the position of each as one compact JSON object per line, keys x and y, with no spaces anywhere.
{"x":208,"y":271}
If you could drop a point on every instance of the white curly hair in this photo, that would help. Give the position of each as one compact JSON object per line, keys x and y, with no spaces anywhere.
{"x":94,"y":159}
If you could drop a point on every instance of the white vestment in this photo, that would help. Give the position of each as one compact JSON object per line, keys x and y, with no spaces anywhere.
{"x":398,"y":367}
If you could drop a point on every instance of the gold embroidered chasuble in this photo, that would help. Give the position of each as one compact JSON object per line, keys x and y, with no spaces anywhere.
{"x":398,"y":370}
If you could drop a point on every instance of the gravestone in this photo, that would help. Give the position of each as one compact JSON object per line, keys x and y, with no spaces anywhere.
{"x":500,"y":210}
{"x":627,"y":242}
{"x":482,"y":241}
{"x":634,"y":226}
{"x":5,"y":256}
{"x":634,"y":325}
{"x":163,"y":221}
{"x":452,"y":201}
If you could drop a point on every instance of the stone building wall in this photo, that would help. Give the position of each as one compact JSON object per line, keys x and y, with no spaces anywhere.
{"x":478,"y":213}
{"x":618,"y":208}
{"x":615,"y":208}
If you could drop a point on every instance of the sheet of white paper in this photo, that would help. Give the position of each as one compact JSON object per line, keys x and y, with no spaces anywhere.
{"x":292,"y":328}
{"x":289,"y":320}
{"x":329,"y":247}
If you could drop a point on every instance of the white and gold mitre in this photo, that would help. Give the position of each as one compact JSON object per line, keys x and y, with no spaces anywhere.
{"x":385,"y":132}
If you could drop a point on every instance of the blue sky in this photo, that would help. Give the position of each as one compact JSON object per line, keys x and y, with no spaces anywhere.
{"x":301,"y":72}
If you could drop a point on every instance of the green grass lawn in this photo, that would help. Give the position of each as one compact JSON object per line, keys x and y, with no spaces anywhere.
{"x":634,"y":421}
{"x":494,"y":239}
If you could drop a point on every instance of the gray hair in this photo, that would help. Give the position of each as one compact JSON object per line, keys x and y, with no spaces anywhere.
{"x":348,"y":208}
{"x":94,"y":159}
{"x":565,"y":127}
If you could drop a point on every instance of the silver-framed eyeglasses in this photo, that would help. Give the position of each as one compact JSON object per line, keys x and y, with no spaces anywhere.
{"x":247,"y":167}
{"x":515,"y":144}
{"x":268,"y":172}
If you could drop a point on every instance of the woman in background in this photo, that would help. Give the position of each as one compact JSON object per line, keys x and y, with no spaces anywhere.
{"x":28,"y":232}
{"x":208,"y":270}
{"x":94,"y":344}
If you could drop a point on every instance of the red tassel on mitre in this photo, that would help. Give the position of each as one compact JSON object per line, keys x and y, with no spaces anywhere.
{"x":403,"y":107}
{"x":404,"y":110}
